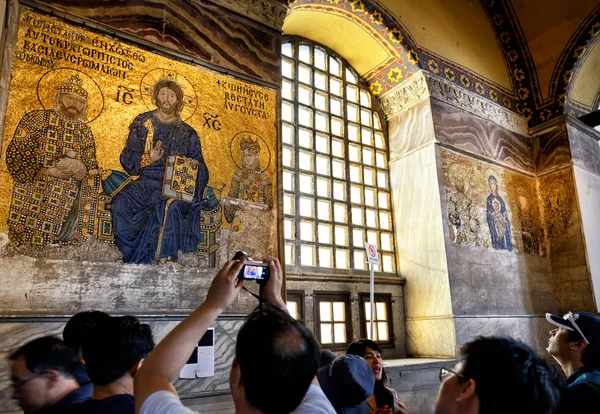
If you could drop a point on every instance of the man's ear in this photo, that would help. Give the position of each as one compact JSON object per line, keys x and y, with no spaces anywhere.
{"x":467,"y":391}
{"x":134,"y":369}
{"x":236,"y":376}
{"x":53,"y":377}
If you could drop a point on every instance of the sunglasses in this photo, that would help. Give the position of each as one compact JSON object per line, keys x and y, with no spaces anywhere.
{"x":445,"y":372}
{"x":571,"y":317}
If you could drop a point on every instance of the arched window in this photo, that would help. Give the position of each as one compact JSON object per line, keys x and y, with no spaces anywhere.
{"x":335,"y":165}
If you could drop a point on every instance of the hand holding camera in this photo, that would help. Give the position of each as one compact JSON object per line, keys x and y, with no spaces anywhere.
{"x":267,"y":274}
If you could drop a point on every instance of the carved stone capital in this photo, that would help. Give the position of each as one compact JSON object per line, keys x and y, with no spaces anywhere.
{"x":268,"y":12}
{"x":405,"y":95}
{"x":471,"y":102}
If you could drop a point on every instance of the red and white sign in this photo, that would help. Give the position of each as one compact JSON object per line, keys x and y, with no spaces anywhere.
{"x":372,"y":255}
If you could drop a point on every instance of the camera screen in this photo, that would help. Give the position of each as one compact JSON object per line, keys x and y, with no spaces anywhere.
{"x":253,"y":272}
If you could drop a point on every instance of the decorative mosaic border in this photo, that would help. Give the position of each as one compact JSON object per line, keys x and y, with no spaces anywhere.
{"x":268,"y":12}
{"x":405,"y":95}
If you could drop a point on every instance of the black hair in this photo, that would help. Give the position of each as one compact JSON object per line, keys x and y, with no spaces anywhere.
{"x":47,"y":353}
{"x":590,"y":356}
{"x":510,"y":377}
{"x":383,"y":395}
{"x":278,"y":359}
{"x":81,"y":326}
{"x":115,"y":347}
{"x":174,"y":86}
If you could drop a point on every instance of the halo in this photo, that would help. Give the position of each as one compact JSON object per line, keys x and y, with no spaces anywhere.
{"x":495,"y":173}
{"x":46,"y":91}
{"x":454,"y":169}
{"x":561,"y":188}
{"x":236,"y":153}
{"x":190,"y":99}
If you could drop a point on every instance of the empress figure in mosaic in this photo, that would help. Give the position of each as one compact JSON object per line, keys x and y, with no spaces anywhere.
{"x":149,"y":226}
{"x":497,"y":218}
{"x":52,"y":159}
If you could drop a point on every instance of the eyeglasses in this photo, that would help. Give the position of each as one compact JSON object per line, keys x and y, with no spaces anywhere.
{"x":571,"y":318}
{"x":20,"y":383}
{"x":444,"y":372}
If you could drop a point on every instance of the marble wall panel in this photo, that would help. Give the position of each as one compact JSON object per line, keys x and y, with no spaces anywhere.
{"x":456,"y":128}
{"x":585,"y":148}
{"x":430,"y":337}
{"x":202,"y":30}
{"x":551,"y":149}
{"x":410,"y":129}
{"x":15,"y":334}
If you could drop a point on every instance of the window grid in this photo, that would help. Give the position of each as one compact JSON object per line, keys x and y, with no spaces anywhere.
{"x":295,"y":304}
{"x":336,"y":179}
{"x":333,"y":325}
{"x":383,"y":323}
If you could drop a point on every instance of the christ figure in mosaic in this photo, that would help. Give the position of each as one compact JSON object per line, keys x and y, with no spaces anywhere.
{"x":52,"y":159}
{"x":497,"y":218}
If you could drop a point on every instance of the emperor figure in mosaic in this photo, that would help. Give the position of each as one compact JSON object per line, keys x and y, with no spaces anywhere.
{"x":52,"y":159}
{"x":158,"y":215}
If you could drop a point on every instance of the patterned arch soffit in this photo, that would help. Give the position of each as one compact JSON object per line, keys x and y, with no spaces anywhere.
{"x":411,"y":58}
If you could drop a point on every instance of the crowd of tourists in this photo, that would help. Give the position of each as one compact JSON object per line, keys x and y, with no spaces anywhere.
{"x":108,"y":364}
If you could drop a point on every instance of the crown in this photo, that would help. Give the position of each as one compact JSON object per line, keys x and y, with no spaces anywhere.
{"x":74,"y":87}
{"x":248,"y":144}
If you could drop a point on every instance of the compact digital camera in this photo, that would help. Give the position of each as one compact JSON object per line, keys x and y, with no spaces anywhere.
{"x":252,"y":270}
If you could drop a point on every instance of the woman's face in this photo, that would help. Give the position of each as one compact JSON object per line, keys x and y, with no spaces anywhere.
{"x":375,"y":361}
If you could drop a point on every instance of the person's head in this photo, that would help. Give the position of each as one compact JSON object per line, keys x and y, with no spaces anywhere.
{"x":371,"y":352}
{"x":347,"y":382}
{"x":276,"y":358}
{"x":80,"y":327}
{"x":117,"y":349}
{"x":496,"y":205}
{"x":575,"y":338}
{"x":250,"y":153}
{"x":71,"y":98}
{"x":499,"y":375}
{"x":493,"y":183}
{"x":167,"y":95}
{"x":42,"y":371}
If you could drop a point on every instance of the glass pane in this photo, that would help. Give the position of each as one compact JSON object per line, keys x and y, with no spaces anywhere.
{"x":337,"y":127}
{"x":287,"y":112}
{"x":337,"y":148}
{"x":338,"y":170}
{"x":325,"y":311}
{"x":339,"y":190}
{"x":307,"y":183}
{"x":322,"y":122}
{"x":350,"y":76}
{"x":382,"y":331}
{"x":305,"y":74}
{"x":354,"y":152}
{"x":365,"y":117}
{"x":369,"y":329}
{"x":376,"y":122}
{"x":360,"y":260}
{"x":365,"y":98}
{"x":358,"y":238}
{"x":307,"y":231}
{"x":307,"y":207}
{"x":372,"y":238}
{"x":305,"y":161}
{"x":288,"y":229}
{"x":325,"y":257}
{"x":287,"y":157}
{"x":379,"y":142}
{"x":288,"y":204}
{"x":385,"y":221}
{"x":323,"y":165}
{"x":371,"y":218}
{"x":320,"y":58}
{"x":370,"y":196}
{"x":304,"y":54}
{"x":369,"y":177}
{"x":353,"y":132}
{"x":334,"y":66}
{"x":287,"y":49}
{"x":292,"y":308}
{"x":386,"y":241}
{"x":382,"y":179}
{"x":322,"y":143}
{"x":339,"y":312}
{"x":356,"y":194}
{"x":380,"y":159}
{"x":341,"y":259}
{"x":307,"y":255}
{"x":368,"y":156}
{"x":287,"y":134}
{"x":352,"y":93}
{"x":341,"y":235}
{"x":367,"y":136}
{"x":326,"y":333}
{"x":324,"y":210}
{"x":380,"y":311}
{"x":384,"y":200}
{"x":324,"y":234}
{"x":340,"y":213}
{"x":305,"y":138}
{"x":355,"y":173}
{"x":305,"y":116}
{"x":367,"y":310}
{"x":289,"y":254}
{"x":339,"y":333}
{"x":323,"y":187}
{"x":336,"y":106}
{"x":287,"y":68}
{"x":357,"y":217}
{"x":321,"y":101}
{"x":388,"y":263}
{"x":352,"y":112}
{"x":288,"y":181}
{"x":335,"y":86}
{"x":320,"y":80}
{"x":304,"y":94}
{"x":287,"y":90}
